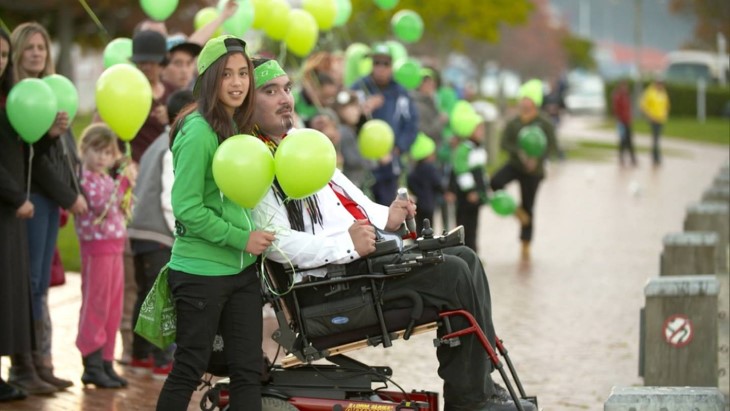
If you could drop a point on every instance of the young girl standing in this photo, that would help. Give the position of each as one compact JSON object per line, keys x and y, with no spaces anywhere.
{"x":212,"y":274}
{"x":102,"y":234}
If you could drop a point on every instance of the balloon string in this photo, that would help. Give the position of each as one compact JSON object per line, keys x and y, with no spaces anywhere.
{"x":30,"y":172}
{"x":282,"y":53}
{"x":94,"y":18}
{"x":264,"y":279}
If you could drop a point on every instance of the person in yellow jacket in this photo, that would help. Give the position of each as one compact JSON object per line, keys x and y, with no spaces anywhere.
{"x":655,"y":106}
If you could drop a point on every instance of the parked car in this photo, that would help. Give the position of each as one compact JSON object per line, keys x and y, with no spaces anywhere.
{"x":586,"y":93}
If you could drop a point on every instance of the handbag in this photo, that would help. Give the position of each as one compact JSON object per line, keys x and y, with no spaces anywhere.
{"x":157,"y":321}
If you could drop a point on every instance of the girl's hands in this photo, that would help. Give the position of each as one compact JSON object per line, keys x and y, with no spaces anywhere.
{"x":259,"y":241}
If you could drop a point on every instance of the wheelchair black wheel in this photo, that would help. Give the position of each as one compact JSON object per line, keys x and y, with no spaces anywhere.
{"x":276,"y":404}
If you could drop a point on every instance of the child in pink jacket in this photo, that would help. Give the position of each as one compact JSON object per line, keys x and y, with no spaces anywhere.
{"x":102,"y":232}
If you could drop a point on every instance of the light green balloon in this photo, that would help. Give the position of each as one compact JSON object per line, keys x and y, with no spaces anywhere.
{"x":31,"y":107}
{"x":118,"y":51}
{"x":205,"y":16}
{"x":357,"y":64}
{"x":397,"y":51}
{"x":407,"y":25}
{"x":344,"y":10}
{"x":66,"y":94}
{"x":304,"y":162}
{"x":408,"y":73}
{"x":239,"y":23}
{"x":502,"y":203}
{"x":158,"y":10}
{"x":243,"y":156}
{"x":386,"y":4}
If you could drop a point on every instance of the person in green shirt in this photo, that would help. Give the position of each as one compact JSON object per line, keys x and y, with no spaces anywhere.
{"x":212,"y":275}
{"x":528,"y":169}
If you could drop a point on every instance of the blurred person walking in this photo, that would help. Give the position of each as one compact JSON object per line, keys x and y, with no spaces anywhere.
{"x":655,"y":107}
{"x":54,"y":183}
{"x":621,"y":104}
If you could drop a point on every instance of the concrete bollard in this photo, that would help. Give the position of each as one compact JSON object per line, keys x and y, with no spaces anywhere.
{"x":664,"y":399}
{"x":679,"y":332}
{"x":716,"y":194}
{"x":711,"y":217}
{"x":689,"y":253}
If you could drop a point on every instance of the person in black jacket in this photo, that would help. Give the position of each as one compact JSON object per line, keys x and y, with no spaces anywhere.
{"x":15,"y":317}
{"x":54,"y":184}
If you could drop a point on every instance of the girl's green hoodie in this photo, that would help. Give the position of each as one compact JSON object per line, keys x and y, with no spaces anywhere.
{"x":211,"y":231}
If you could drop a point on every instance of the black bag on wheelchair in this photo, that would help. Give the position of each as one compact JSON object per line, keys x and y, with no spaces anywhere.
{"x":338,"y":316}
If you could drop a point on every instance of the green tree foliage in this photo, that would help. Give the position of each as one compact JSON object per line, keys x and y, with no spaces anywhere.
{"x":713,"y":16}
{"x":579,"y":52}
{"x":445,"y":21}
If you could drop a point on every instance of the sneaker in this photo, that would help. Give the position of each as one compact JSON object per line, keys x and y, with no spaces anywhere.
{"x":161,"y":372}
{"x":502,"y":401}
{"x":141,"y":364}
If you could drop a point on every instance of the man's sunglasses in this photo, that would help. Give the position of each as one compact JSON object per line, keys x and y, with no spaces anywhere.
{"x":381,"y":63}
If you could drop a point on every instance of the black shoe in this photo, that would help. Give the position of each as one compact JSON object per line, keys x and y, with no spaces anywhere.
{"x":502,"y":401}
{"x":10,"y":393}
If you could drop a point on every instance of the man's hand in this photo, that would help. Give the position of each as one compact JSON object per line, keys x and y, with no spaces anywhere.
{"x":25,"y":211}
{"x":398,"y":211}
{"x":229,"y":9}
{"x":530,"y":163}
{"x":473,"y":197}
{"x":79,"y":206}
{"x":60,"y":124}
{"x":363,"y":237}
{"x":373,"y":103}
{"x":259,"y":241}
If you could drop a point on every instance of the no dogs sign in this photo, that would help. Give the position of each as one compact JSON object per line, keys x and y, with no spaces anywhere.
{"x":678,"y":330}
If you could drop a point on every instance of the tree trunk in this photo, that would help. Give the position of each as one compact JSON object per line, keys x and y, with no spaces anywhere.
{"x":65,"y":36}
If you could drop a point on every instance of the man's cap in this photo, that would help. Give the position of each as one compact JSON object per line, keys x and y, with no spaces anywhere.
{"x":381,"y":49}
{"x":149,"y":46}
{"x":178,"y":42}
{"x":267,"y":71}
{"x":216,"y":48}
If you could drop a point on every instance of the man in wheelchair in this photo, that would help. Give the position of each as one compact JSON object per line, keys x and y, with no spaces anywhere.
{"x":337,"y":229}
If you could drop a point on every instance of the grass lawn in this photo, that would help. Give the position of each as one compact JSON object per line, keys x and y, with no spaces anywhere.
{"x":714,"y":130}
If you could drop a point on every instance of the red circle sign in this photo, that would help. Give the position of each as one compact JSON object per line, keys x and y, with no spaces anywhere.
{"x":678,"y":330}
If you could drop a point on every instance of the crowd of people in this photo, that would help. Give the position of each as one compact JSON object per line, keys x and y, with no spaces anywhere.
{"x":160,"y":208}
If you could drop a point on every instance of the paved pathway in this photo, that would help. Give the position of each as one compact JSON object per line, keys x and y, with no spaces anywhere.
{"x":570,"y":318}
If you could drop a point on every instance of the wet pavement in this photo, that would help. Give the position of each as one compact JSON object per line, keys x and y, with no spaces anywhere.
{"x":570,"y":317}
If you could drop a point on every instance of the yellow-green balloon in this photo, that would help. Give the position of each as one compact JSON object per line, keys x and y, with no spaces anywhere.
{"x":260,"y":13}
{"x":303,"y":34}
{"x":158,"y":10}
{"x":124,"y":99}
{"x":118,"y":51}
{"x":205,"y":16}
{"x":31,"y":108}
{"x":323,"y":11}
{"x":304,"y":162}
{"x":239,"y":156}
{"x":376,"y":139}
{"x":277,"y":23}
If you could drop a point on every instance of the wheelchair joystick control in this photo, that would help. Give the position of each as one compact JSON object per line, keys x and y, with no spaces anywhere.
{"x":427,"y":231}
{"x":410,"y":221}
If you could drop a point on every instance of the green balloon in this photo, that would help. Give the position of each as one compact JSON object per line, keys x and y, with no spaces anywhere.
{"x":344,"y":10}
{"x":375,"y":139}
{"x":158,"y":10}
{"x":502,"y":203}
{"x":386,"y":4}
{"x":397,"y":51}
{"x":446,"y":98}
{"x":239,"y":156}
{"x":532,"y":140}
{"x":66,"y":94}
{"x":304,"y":162}
{"x":407,"y":25}
{"x":239,"y":23}
{"x":118,"y":51}
{"x":356,"y":63}
{"x":408,"y":73}
{"x":31,"y":108}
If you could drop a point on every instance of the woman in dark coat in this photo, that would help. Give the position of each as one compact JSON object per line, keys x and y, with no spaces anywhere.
{"x":15,"y":311}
